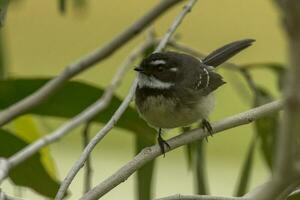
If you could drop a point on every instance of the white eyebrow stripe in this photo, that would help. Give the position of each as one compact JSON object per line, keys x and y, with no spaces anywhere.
{"x":174,"y":69}
{"x":158,"y":62}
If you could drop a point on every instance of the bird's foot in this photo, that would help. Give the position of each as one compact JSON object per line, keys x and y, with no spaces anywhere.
{"x":206,"y":126}
{"x":162,"y":143}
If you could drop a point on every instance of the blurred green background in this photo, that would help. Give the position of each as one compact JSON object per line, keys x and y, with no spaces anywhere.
{"x":39,"y":41}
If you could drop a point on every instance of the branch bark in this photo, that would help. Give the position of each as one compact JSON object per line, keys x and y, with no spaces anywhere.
{"x":87,"y":180}
{"x":152,"y":152}
{"x":289,"y":138}
{"x":200,"y":197}
{"x":78,"y":165}
{"x":84,"y":63}
{"x":4,"y":196}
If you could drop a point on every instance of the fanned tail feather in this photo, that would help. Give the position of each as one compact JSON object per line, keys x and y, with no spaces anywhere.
{"x":224,"y":53}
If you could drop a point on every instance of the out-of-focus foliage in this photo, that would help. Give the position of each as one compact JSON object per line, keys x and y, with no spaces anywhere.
{"x":3,"y":10}
{"x":78,"y":4}
{"x":295,"y":196}
{"x":195,"y":155}
{"x":266,"y":127}
{"x":28,"y":130}
{"x":145,"y":174}
{"x":277,"y":68}
{"x":2,"y":59}
{"x":243,"y":182}
{"x":30,"y":173}
{"x":63,"y":105}
{"x":200,"y":167}
{"x":72,"y":98}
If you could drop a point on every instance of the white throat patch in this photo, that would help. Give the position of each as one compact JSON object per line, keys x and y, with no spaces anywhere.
{"x":152,"y":82}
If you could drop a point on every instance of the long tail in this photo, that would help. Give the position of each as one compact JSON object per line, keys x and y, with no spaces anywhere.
{"x":222,"y":54}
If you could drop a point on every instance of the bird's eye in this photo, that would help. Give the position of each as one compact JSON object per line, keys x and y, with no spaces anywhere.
{"x":160,"y":68}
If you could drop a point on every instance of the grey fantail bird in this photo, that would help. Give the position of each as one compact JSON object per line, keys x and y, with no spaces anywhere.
{"x":176,"y":89}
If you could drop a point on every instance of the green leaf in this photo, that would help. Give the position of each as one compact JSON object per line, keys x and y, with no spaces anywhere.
{"x":189,"y":149}
{"x":200,"y":167}
{"x":195,"y":154}
{"x":266,"y":127}
{"x":72,"y":99}
{"x":80,"y":3}
{"x":2,"y":57}
{"x":3,"y":11}
{"x":281,"y":72}
{"x":62,"y":6}
{"x":31,"y":173}
{"x":189,"y":155}
{"x":26,"y":128}
{"x":295,"y":196}
{"x":243,"y":183}
{"x":277,"y":68}
{"x":144,"y":174}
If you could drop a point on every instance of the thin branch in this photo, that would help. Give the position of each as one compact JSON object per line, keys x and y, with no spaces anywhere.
{"x":84,"y":63}
{"x":82,"y":117}
{"x":152,"y":152}
{"x":187,"y":8}
{"x":200,"y":197}
{"x":87,"y":181}
{"x":4,"y":168}
{"x":116,"y":116}
{"x":4,"y":196}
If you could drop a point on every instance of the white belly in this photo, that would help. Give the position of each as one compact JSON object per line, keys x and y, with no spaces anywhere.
{"x":164,"y":113}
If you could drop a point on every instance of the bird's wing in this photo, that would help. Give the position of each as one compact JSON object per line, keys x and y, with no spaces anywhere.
{"x":207,"y":81}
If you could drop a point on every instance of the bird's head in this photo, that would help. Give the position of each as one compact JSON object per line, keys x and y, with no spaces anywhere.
{"x":159,"y":70}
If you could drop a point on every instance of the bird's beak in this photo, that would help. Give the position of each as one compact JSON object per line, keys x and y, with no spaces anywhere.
{"x":139,"y":69}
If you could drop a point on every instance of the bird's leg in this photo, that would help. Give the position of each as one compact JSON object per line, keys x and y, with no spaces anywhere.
{"x":162,"y":142}
{"x":206,"y":126}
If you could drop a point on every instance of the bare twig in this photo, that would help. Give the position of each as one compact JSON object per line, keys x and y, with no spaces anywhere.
{"x":152,"y":152}
{"x":187,"y":8}
{"x":78,"y":165}
{"x":87,"y":180}
{"x":84,"y":63}
{"x":4,"y":196}
{"x":200,"y":197}
{"x":82,"y":117}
